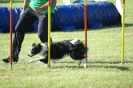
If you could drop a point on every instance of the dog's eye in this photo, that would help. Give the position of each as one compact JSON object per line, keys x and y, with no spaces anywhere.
{"x":32,"y":50}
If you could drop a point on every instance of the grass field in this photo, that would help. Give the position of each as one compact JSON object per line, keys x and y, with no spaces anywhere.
{"x":104,"y":69}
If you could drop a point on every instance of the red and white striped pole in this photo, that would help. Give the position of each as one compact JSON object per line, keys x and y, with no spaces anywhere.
{"x":11,"y":34}
{"x":85,"y":24}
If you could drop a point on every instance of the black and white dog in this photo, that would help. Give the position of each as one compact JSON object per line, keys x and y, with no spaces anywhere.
{"x":75,"y":48}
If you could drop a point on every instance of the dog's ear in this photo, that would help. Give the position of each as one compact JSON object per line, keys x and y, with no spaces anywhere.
{"x":39,"y":44}
{"x":33,"y":44}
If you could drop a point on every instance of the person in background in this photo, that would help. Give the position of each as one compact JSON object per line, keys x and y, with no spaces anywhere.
{"x":32,"y":10}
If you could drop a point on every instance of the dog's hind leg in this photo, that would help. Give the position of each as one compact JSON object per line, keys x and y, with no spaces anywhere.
{"x":85,"y":62}
{"x":79,"y":63}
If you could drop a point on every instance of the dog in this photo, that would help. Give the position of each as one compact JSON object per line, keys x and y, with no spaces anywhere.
{"x":74,"y":48}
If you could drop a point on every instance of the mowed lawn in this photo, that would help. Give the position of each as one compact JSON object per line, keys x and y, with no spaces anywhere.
{"x":104,"y":60}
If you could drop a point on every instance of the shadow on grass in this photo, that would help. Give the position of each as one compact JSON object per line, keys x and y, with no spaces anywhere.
{"x":116,"y":64}
{"x":109,"y":62}
{"x":128,"y":25}
{"x":68,"y":66}
{"x":122,"y":68}
{"x":106,"y":65}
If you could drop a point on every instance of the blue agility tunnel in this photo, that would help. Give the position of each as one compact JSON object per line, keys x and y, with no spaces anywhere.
{"x":69,"y":17}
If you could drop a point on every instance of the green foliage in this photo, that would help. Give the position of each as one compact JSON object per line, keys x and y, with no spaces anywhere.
{"x":104,"y":69}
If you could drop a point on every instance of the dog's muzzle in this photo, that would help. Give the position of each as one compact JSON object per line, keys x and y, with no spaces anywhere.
{"x":30,"y":54}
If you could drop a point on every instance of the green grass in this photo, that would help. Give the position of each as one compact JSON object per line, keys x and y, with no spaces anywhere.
{"x":104,"y":69}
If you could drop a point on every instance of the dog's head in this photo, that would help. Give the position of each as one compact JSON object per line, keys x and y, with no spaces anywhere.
{"x":37,"y":48}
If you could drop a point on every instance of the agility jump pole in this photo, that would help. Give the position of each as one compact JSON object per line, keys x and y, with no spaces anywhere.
{"x":85,"y":24}
{"x":49,"y":32}
{"x":11,"y":34}
{"x":123,"y":28}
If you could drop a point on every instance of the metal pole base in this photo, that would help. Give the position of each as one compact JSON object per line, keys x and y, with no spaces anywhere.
{"x":122,"y":62}
{"x":10,"y":66}
{"x":48,"y":65}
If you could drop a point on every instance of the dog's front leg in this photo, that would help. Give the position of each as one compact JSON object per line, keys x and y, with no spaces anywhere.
{"x":41,"y":59}
{"x":34,"y":60}
{"x":44,"y":59}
